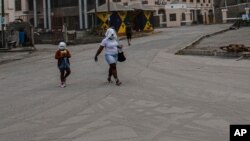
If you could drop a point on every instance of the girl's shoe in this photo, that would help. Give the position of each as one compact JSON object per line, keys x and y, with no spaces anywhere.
{"x":62,"y":85}
{"x":118,"y":83}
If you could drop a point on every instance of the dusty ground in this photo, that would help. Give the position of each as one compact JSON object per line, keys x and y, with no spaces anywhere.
{"x":239,"y":36}
{"x":164,"y":97}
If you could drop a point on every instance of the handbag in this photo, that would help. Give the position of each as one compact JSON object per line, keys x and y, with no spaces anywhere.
{"x":121,"y":56}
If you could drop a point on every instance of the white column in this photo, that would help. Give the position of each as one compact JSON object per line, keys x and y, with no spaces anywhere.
{"x":35,"y":13}
{"x":96,"y":3}
{"x":195,"y":16}
{"x":161,"y":20}
{"x":247,"y":10}
{"x":44,"y":14}
{"x":25,"y":6}
{"x":85,"y":14}
{"x":214,"y":20}
{"x":80,"y":14}
{"x":188,"y":18}
{"x":49,"y":14}
{"x":224,"y":15}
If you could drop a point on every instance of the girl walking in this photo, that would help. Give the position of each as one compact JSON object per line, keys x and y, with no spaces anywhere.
{"x":63,"y":55}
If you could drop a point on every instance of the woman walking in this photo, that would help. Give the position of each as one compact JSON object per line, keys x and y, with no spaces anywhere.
{"x":111,"y":54}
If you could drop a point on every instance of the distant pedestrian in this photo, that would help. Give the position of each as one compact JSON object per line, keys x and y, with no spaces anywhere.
{"x":111,"y":46}
{"x":63,"y":55}
{"x":129,"y":33}
{"x":21,"y":37}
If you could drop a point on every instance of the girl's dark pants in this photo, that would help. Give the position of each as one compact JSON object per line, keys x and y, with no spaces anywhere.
{"x":64,"y":74}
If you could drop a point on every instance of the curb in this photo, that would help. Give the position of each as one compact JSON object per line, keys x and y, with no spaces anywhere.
{"x":23,"y":49}
{"x":143,"y":34}
{"x":199,"y":39}
{"x":97,"y":39}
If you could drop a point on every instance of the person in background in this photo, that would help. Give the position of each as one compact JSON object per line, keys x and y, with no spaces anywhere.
{"x":63,"y":55}
{"x":21,"y":37}
{"x":111,"y":46}
{"x":129,"y":33}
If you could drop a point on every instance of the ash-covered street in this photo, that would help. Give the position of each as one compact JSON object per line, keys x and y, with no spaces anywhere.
{"x":164,"y":97}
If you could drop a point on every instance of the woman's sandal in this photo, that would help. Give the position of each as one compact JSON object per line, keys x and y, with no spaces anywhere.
{"x":109,"y":80}
{"x":118,"y":83}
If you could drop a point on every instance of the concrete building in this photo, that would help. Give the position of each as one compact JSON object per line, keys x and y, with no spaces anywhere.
{"x":9,"y":8}
{"x":50,"y":14}
{"x":230,"y":10}
{"x":173,"y":13}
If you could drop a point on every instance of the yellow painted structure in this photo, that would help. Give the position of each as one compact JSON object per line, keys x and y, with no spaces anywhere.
{"x":148,"y":25}
{"x":122,"y":28}
{"x":104,"y":19}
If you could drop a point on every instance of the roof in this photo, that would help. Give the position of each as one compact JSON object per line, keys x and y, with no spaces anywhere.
{"x":177,"y":2}
{"x":113,"y":7}
{"x":139,"y":6}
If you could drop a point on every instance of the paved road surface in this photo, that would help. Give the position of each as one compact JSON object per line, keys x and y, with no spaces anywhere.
{"x":164,"y":97}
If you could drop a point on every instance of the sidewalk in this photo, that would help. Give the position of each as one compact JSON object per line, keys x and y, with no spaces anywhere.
{"x":6,"y":57}
{"x":209,"y":45}
{"x":19,"y":53}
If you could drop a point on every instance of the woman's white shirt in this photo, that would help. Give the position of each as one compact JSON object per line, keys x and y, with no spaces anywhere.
{"x":110,"y":46}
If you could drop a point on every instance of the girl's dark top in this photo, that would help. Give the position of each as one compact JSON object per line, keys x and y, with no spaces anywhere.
{"x":61,"y":55}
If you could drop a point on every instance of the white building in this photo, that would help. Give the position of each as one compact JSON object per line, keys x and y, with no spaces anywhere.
{"x":49,"y":13}
{"x":9,"y":8}
{"x":179,"y":12}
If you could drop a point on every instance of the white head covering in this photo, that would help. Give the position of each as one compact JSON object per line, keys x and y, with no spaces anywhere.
{"x":111,"y":34}
{"x":62,"y":45}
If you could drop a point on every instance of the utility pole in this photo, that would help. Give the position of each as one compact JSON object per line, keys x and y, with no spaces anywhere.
{"x":86,"y":14}
{"x":2,"y":22}
{"x":94,"y":15}
{"x":226,"y":4}
{"x":108,"y":4}
{"x":80,"y":14}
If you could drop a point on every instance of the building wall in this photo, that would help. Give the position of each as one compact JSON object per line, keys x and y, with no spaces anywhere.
{"x":9,"y":7}
{"x":177,"y":21}
{"x":204,"y":6}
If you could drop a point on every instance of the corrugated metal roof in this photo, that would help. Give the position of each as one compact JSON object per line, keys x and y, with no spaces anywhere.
{"x":140,"y":6}
{"x":113,"y":7}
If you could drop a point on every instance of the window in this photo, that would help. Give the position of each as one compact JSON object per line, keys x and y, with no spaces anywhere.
{"x":198,"y":1}
{"x":18,"y":5}
{"x":163,"y":13}
{"x":31,"y":5}
{"x":172,"y":17}
{"x":116,"y":0}
{"x":64,"y":3}
{"x":144,"y":2}
{"x":183,"y":17}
